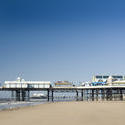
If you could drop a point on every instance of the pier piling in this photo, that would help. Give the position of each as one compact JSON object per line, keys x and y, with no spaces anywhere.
{"x":12,"y":95}
{"x":52,"y":95}
{"x":48,"y":95}
{"x":77,"y":95}
{"x":82,"y":95}
{"x":97,"y":93}
{"x":17,"y":95}
{"x":92,"y":94}
{"x":121,"y":95}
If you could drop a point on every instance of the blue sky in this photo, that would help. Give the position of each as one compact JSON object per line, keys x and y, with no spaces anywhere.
{"x":61,"y":39}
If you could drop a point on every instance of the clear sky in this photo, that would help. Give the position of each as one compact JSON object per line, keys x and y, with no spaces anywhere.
{"x":61,"y":39}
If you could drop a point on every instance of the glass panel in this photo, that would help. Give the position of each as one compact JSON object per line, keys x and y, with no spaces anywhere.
{"x":105,"y":77}
{"x":99,"y":77}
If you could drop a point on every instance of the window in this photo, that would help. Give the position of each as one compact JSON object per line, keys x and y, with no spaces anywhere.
{"x":99,"y":77}
{"x":105,"y":77}
{"x":117,"y":77}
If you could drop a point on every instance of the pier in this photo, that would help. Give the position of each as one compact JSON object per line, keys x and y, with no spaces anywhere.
{"x":90,"y":93}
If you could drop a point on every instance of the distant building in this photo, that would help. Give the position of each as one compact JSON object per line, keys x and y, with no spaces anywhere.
{"x":21,"y":83}
{"x":106,"y":80}
{"x":103,"y":78}
{"x":63,"y":83}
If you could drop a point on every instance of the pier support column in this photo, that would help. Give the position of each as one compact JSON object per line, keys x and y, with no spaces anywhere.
{"x":97,"y":93}
{"x":77,"y":95}
{"x":52,"y":95}
{"x":28,"y":95}
{"x":23,"y":95}
{"x":92,"y":94}
{"x":118,"y":92}
{"x":109,"y":94}
{"x":111,"y":97}
{"x":81,"y":95}
{"x":48,"y":95}
{"x":87,"y":95}
{"x":17,"y":95}
{"x":12,"y":95}
{"x":121,"y":95}
{"x":103,"y":94}
{"x":115,"y":94}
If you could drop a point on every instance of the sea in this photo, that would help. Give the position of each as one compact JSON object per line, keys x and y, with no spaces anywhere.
{"x":7,"y":102}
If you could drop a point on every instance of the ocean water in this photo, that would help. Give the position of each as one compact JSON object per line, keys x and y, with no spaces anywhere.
{"x":13,"y":105}
{"x":5,"y":95}
{"x":7,"y":102}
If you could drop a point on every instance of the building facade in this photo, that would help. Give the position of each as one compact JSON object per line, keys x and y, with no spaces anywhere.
{"x":103,"y":78}
{"x":21,"y":83}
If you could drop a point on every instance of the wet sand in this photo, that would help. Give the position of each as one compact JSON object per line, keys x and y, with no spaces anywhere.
{"x":67,"y":113}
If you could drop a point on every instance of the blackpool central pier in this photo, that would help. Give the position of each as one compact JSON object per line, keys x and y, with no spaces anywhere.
{"x":111,"y":89}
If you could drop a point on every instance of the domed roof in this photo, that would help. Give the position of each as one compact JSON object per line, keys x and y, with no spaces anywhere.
{"x":18,"y":79}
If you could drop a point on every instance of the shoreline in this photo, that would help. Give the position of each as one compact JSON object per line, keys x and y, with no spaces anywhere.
{"x":66,"y":113}
{"x":21,"y":105}
{"x":18,"y":105}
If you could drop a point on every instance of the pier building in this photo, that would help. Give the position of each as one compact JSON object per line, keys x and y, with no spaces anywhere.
{"x":21,"y":83}
{"x":103,"y":78}
{"x":107,"y":80}
{"x":63,"y":83}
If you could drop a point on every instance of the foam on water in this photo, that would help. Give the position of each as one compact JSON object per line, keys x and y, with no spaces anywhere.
{"x":12,"y":105}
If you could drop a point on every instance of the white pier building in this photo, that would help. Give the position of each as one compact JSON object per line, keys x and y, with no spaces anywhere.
{"x":21,"y":83}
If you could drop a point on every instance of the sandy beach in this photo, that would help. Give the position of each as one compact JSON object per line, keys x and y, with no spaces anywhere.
{"x":67,"y":113}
